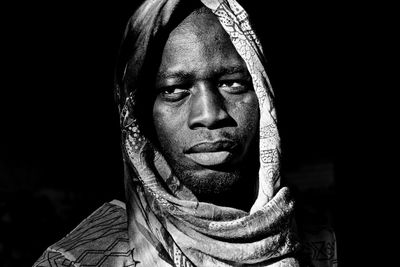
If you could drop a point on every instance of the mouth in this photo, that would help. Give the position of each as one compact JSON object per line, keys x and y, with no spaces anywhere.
{"x":212,"y":153}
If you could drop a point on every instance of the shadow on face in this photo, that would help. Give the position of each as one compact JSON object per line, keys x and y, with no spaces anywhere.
{"x":196,"y":103}
{"x":205,"y":112}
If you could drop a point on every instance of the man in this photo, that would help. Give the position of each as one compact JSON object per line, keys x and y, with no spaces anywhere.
{"x":200,"y":145}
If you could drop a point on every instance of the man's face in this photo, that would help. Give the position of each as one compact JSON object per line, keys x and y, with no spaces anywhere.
{"x":206,"y":111}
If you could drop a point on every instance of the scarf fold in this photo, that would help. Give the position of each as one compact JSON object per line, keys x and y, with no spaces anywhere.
{"x":167,"y":224}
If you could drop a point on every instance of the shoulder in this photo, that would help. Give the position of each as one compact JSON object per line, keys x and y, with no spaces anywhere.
{"x":99,"y":240}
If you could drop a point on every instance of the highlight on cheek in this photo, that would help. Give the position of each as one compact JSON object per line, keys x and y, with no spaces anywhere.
{"x":247,"y":102}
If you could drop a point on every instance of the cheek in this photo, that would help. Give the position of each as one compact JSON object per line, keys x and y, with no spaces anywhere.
{"x":167,"y":123}
{"x":246,"y":113}
{"x":161,"y":117}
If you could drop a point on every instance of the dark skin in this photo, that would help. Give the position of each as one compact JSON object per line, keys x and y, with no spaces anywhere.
{"x":206,"y":113}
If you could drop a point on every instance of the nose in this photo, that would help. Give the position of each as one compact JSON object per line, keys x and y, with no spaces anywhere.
{"x":207,"y":108}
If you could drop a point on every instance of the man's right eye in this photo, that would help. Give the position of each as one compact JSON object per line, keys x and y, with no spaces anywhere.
{"x":173,"y":93}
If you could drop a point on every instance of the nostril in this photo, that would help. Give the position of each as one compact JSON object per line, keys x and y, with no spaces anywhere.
{"x":208,"y":110}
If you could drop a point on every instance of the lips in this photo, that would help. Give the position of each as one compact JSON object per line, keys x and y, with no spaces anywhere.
{"x":212,"y":153}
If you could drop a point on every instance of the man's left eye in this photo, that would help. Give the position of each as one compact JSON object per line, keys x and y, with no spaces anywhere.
{"x":234,"y":87}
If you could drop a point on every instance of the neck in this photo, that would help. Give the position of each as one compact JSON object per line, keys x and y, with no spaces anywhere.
{"x":238,"y":189}
{"x":242,"y":196}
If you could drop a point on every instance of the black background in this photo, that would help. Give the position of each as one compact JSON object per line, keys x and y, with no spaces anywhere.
{"x":59,"y":123}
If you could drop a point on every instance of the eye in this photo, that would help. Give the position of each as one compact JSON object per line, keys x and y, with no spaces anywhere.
{"x":173,"y":93}
{"x":170,"y":91}
{"x":234,"y":87}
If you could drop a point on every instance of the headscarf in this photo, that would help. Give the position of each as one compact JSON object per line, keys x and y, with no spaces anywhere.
{"x":167,"y":225}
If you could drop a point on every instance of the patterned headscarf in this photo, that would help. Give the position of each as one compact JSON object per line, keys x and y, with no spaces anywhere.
{"x":167,"y":224}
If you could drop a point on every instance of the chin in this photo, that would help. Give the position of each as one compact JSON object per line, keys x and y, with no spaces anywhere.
{"x":210,"y":182}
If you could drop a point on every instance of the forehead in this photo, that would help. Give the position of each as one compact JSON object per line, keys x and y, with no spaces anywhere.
{"x":199,"y":44}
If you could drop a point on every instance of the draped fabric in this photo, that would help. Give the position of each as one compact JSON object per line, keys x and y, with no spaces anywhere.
{"x":167,"y":225}
{"x":164,"y":224}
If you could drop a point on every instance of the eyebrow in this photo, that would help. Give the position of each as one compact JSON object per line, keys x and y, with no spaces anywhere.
{"x":232,"y":70}
{"x":184,"y":75}
{"x":181,"y":75}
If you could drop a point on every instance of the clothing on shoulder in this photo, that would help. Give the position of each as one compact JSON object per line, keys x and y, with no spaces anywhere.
{"x":228,"y":108}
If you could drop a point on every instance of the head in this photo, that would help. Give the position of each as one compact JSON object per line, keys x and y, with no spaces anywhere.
{"x":205,"y":112}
